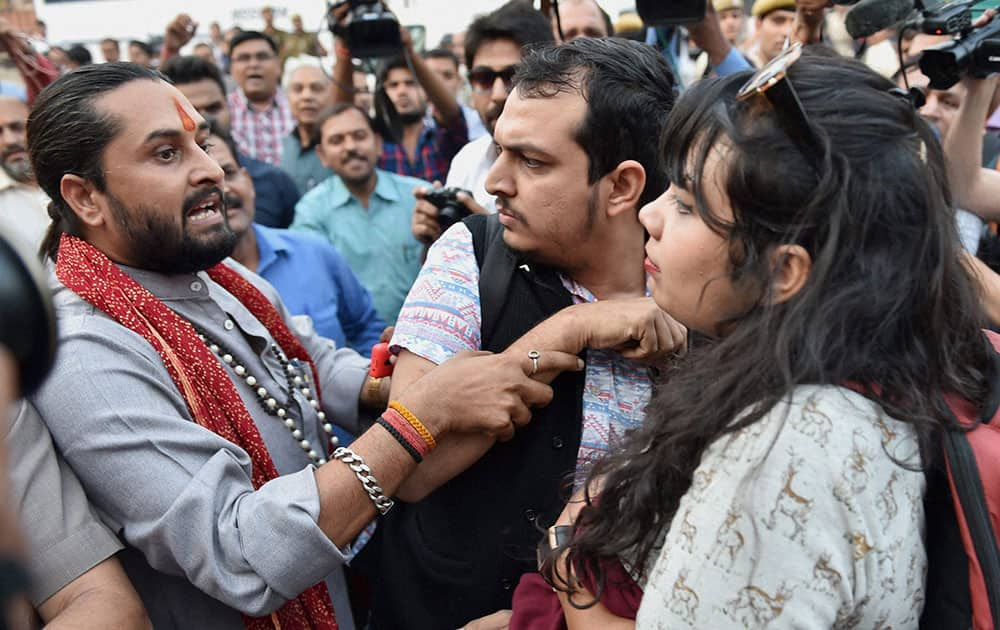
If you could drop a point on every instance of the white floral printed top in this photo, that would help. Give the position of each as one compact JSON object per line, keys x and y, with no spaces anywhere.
{"x":801,"y":520}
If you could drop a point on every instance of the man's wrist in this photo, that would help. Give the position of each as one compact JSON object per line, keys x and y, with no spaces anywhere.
{"x":574,"y":330}
{"x":423,"y":409}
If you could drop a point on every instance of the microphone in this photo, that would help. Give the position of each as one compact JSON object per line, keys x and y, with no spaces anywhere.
{"x":868,"y":17}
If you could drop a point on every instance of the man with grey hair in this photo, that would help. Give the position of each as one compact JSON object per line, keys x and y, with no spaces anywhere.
{"x":308,"y":91}
{"x":22,"y":203}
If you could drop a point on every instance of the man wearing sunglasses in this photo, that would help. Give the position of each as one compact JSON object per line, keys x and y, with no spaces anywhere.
{"x":493,"y":48}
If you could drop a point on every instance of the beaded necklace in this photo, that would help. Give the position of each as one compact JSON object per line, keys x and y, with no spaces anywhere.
{"x":297,"y":376}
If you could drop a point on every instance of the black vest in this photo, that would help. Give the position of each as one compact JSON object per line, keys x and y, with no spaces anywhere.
{"x":458,"y":554}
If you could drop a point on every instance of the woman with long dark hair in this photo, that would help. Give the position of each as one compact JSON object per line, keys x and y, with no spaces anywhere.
{"x":808,"y":236}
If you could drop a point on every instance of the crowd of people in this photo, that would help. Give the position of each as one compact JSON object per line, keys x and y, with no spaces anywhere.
{"x":676,"y":316}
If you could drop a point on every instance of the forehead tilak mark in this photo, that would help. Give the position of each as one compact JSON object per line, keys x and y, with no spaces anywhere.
{"x":186,"y":121}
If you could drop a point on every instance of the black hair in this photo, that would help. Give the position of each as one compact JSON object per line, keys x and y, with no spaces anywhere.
{"x":396,"y":62}
{"x":146,"y":48}
{"x":443,"y":53}
{"x":68,"y":135}
{"x":109,"y":40}
{"x":889,"y":304}
{"x":191,"y":69}
{"x":215,"y":129}
{"x":336,"y":110}
{"x":517,"y":21}
{"x":629,"y":91}
{"x":246,"y":36}
{"x":80,"y":55}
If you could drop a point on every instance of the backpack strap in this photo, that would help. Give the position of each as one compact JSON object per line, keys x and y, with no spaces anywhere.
{"x":970,"y":497}
{"x":496,"y":267}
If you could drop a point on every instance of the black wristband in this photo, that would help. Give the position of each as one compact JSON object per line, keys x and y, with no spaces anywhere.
{"x":414,"y":453}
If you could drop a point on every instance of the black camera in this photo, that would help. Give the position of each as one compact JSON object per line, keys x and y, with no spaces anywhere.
{"x":27,"y":323}
{"x":450,"y":209}
{"x":976,"y":52}
{"x":946,"y":18}
{"x":370,"y":29}
{"x":659,"y":13}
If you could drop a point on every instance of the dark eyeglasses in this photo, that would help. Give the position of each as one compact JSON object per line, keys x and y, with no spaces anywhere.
{"x":482,"y":79}
{"x":770,"y":82}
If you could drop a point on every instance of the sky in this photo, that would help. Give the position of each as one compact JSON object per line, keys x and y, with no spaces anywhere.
{"x":92,"y":20}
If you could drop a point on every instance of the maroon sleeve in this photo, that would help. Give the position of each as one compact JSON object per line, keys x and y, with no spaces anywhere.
{"x":536,"y":606}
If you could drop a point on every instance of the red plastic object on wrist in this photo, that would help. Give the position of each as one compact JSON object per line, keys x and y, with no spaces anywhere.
{"x":381,"y":366}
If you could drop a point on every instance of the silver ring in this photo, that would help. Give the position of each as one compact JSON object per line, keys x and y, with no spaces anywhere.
{"x":534,"y":355}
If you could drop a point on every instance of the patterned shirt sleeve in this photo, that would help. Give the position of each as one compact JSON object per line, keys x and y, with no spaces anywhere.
{"x":441,"y":315}
{"x":452,"y":137}
{"x":800,"y":520}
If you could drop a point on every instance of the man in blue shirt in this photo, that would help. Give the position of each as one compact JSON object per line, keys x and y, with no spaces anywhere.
{"x":201,"y":82}
{"x":363,"y":211}
{"x":309,"y":274}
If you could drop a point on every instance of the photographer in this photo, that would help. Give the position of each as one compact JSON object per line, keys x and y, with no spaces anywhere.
{"x":973,"y":186}
{"x":407,"y":83}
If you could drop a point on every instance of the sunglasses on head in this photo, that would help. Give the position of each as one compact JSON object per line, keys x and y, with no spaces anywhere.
{"x":771,"y":83}
{"x":482,"y":79}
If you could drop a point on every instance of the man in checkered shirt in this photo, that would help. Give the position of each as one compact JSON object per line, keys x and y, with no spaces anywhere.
{"x":261,"y":116}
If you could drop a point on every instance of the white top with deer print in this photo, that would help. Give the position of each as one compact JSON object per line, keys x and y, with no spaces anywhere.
{"x":801,"y":520}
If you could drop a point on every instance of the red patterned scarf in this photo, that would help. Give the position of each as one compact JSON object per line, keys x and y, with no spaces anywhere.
{"x":207,"y":388}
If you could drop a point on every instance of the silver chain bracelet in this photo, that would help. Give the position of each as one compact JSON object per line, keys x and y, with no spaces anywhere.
{"x":364,"y":474}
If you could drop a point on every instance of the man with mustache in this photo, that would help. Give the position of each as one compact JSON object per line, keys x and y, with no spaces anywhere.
{"x":575,"y":158}
{"x":22,"y":203}
{"x":195,"y":413}
{"x":364,"y":211}
{"x":420,"y":148}
{"x":261,"y":116}
{"x":201,"y":82}
{"x":493,"y":48}
{"x":311,"y":276}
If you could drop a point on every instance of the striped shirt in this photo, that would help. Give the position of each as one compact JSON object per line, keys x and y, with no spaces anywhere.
{"x":257,"y":133}
{"x":442,"y":317}
{"x":435,"y":149}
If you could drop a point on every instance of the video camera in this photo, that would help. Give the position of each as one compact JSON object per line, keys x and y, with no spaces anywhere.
{"x":975,"y":52}
{"x":659,"y":13}
{"x":27,"y":323}
{"x":370,"y":29}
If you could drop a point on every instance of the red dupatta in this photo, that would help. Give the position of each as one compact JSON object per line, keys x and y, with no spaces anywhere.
{"x":206,"y":387}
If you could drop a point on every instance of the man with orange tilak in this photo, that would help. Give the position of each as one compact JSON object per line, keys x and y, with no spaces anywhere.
{"x":197,"y":416}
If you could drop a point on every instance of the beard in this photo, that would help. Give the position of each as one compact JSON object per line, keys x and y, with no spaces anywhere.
{"x":559,"y":259}
{"x":410,"y":117}
{"x":19,"y":170}
{"x":490,"y":116}
{"x":156,"y":243}
{"x":357,"y":180}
